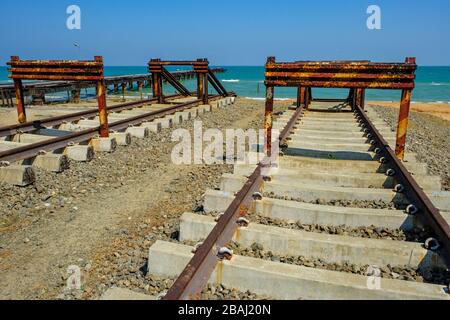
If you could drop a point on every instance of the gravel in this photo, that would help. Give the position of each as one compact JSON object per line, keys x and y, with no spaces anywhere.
{"x":377,"y":204}
{"x":108,"y":212}
{"x":434,"y":275}
{"x":428,"y":137}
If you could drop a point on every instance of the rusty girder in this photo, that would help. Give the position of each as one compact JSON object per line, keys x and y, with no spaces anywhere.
{"x":63,"y":70}
{"x":201,"y":68}
{"x":354,"y":75}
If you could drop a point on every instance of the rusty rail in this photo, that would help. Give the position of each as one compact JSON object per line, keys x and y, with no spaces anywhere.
{"x":199,"y":269}
{"x":428,"y":213}
{"x":34,"y":149}
{"x":54,"y":121}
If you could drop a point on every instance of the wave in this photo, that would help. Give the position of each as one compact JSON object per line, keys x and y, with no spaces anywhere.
{"x":231,"y":80}
{"x":263,"y":99}
{"x":439,"y":84}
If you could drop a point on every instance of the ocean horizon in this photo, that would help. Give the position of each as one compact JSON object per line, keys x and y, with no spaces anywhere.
{"x":432,"y":84}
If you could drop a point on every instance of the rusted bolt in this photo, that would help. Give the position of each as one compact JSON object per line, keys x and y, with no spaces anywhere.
{"x":367,"y":132}
{"x":196,"y":247}
{"x":42,"y":153}
{"x":4,"y":164}
{"x":432,"y":244}
{"x":377,"y":150}
{"x":70,"y":144}
{"x":369,"y":136}
{"x":257,"y":196}
{"x":267,"y":178}
{"x":383,"y":160}
{"x":411,"y":209}
{"x":390,"y":172}
{"x":225,"y":253}
{"x":281,"y":153}
{"x":399,"y":188}
{"x":242,"y":222}
{"x":373,"y":142}
{"x":218,"y":217}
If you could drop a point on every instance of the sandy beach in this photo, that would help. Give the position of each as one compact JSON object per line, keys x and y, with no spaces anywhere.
{"x":435,"y":109}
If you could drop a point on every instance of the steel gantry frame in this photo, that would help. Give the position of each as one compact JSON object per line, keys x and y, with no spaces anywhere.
{"x":62,"y":70}
{"x":205,"y":76}
{"x":354,"y":75}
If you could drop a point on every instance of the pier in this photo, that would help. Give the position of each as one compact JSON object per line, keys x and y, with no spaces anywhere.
{"x":115,"y":84}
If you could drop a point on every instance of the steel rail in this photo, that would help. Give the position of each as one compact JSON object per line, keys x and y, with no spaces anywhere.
{"x":195,"y":276}
{"x":53,"y":121}
{"x":34,"y":149}
{"x":428,"y":213}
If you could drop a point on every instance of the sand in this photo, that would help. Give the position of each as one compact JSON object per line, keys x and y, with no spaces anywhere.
{"x":435,"y":109}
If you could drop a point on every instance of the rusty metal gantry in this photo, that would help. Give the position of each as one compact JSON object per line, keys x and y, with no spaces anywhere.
{"x":204,"y":76}
{"x":354,"y":75}
{"x":63,"y":70}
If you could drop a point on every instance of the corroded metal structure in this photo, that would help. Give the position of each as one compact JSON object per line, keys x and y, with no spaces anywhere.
{"x":354,"y":75}
{"x":60,"y":70}
{"x":205,"y":76}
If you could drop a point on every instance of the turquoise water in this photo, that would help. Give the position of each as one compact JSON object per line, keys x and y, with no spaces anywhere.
{"x":432,"y":84}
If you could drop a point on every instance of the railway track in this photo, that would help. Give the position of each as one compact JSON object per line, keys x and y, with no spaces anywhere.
{"x":340,"y":218}
{"x":49,"y":143}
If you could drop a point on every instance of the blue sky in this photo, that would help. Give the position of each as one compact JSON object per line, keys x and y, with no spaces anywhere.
{"x":227,"y":32}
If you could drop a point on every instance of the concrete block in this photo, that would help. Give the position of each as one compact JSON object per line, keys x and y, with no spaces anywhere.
{"x":17,"y":175}
{"x":293,"y":211}
{"x":138,"y":132}
{"x":154,"y":126}
{"x":165,"y":123}
{"x":330,"y":248}
{"x":176,"y":119}
{"x":284,"y":281}
{"x":185,"y":115}
{"x":50,"y":162}
{"x":104,"y":144}
{"x":205,"y":107}
{"x":81,"y":153}
{"x":312,"y":192}
{"x":122,"y":138}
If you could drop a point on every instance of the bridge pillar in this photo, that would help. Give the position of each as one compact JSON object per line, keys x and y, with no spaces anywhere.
{"x":76,"y":95}
{"x":38,"y":99}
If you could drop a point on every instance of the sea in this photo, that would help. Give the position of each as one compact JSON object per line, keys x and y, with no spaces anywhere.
{"x":432,"y":84}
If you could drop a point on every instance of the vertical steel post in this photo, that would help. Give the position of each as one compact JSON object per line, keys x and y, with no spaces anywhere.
{"x":18,"y":86}
{"x":102,"y":109}
{"x":363,"y":99}
{"x":140,"y":86}
{"x":161,"y":88}
{"x":205,"y":89}
{"x":268,"y":120}
{"x":300,"y":96}
{"x":156,"y":86}
{"x":402,"y":127}
{"x":308,"y":96}
{"x":200,"y":88}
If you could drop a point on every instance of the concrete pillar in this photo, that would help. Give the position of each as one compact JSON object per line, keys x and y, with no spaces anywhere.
{"x":38,"y":99}
{"x":76,"y":95}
